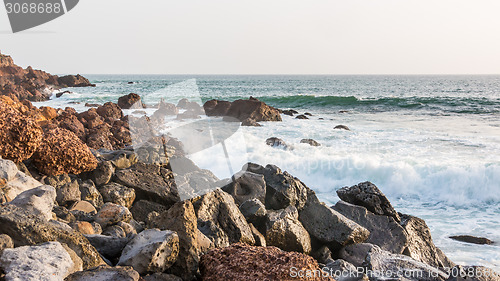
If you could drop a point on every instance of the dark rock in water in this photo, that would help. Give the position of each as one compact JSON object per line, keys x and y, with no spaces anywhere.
{"x":243,"y":262}
{"x":253,"y":109}
{"x":245,"y":186}
{"x":165,"y":109}
{"x":284,"y":230}
{"x":341,"y":127}
{"x":130,"y":82}
{"x":311,"y":142}
{"x":216,"y":107}
{"x":189,"y":114}
{"x":190,"y":106}
{"x":328,"y":225}
{"x":343,"y":111}
{"x":220,"y":219}
{"x":149,"y":183}
{"x":368,"y":195}
{"x":130,"y":101}
{"x":308,"y":114}
{"x":289,"y":112}
{"x":275,"y":142}
{"x":74,"y":81}
{"x":385,"y":232}
{"x":58,"y":95}
{"x":301,"y":117}
{"x":472,"y":239}
{"x":473,"y":273}
{"x":106,"y":273}
{"x":250,"y":123}
{"x":92,"y":104}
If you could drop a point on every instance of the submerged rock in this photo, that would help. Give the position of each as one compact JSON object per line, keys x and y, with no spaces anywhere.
{"x":310,"y":142}
{"x":472,"y":239}
{"x":276,"y":142}
{"x":341,"y":127}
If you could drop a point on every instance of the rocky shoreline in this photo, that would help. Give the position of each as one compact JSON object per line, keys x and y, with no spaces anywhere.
{"x":78,"y":203}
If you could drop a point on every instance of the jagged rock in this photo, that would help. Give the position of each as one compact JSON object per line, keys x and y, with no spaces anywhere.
{"x":108,"y":246}
{"x":118,"y":194}
{"x":246,"y":186}
{"x":385,"y":232}
{"x":142,"y":208}
{"x":310,"y":142}
{"x":328,"y":225}
{"x":74,"y":81}
{"x":68,"y":194}
{"x":260,"y":240}
{"x":255,"y":212}
{"x":71,"y":123}
{"x":130,"y":101}
{"x":48,"y":261}
{"x":149,"y":184}
{"x":26,"y":228}
{"x":62,"y":152}
{"x":341,"y":127}
{"x":276,"y":142}
{"x":38,"y":201}
{"x":242,"y":262}
{"x":253,"y":109}
{"x":110,"y":110}
{"x":368,"y":195}
{"x":472,"y":239}
{"x":284,"y":230}
{"x":282,"y":189}
{"x":5,"y":243}
{"x":20,"y":135}
{"x":220,"y":219}
{"x":111,"y":213}
{"x":48,"y":112}
{"x":91,"y":194}
{"x":301,"y":117}
{"x":114,"y":231}
{"x":106,"y":273}
{"x":161,"y":277}
{"x":151,"y":251}
{"x":181,"y":218}
{"x":420,"y":245}
{"x":103,"y":173}
{"x":216,"y":107}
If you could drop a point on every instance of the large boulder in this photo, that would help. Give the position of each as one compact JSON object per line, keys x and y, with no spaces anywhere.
{"x":38,"y":201}
{"x":74,"y":81}
{"x":149,"y":183}
{"x":20,"y":136}
{"x":285,"y":231}
{"x":48,"y":261}
{"x":220,"y":219}
{"x":151,"y":251}
{"x":130,"y":101}
{"x":243,"y":262}
{"x":110,"y":110}
{"x":246,"y":186}
{"x":62,"y":152}
{"x":216,"y":107}
{"x":368,"y":195}
{"x":329,"y":226}
{"x":253,"y":109}
{"x":118,"y":194}
{"x":14,"y":182}
{"x":106,"y":273}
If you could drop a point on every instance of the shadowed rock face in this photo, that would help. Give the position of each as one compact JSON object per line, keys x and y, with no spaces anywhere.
{"x":242,"y":262}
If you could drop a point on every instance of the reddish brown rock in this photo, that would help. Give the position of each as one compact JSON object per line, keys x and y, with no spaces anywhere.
{"x":20,"y":136}
{"x":216,"y":107}
{"x":70,"y":122}
{"x":110,"y":110}
{"x":48,"y":112}
{"x":62,"y":152}
{"x":74,"y":81}
{"x":130,"y":101}
{"x":242,"y":262}
{"x":251,"y":109}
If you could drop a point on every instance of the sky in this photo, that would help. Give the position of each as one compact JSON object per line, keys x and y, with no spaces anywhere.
{"x":264,"y":37}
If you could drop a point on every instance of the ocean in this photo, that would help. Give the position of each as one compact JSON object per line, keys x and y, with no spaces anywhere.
{"x":430,"y":143}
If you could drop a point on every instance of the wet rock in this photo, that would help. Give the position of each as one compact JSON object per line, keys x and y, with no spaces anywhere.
{"x":385,"y":232}
{"x":284,"y":230}
{"x":220,"y":219}
{"x":20,"y":136}
{"x":142,"y":208}
{"x":328,"y":225}
{"x":151,"y":251}
{"x":103,"y":173}
{"x":245,"y":186}
{"x":341,"y":127}
{"x":5,"y":243}
{"x":118,"y":194}
{"x":62,"y":152}
{"x":276,"y":142}
{"x":368,"y":195}
{"x":39,"y":201}
{"x":472,"y":239}
{"x":74,"y":81}
{"x":250,"y":123}
{"x":253,"y":109}
{"x":301,"y":117}
{"x":111,"y":213}
{"x":240,"y":262}
{"x":68,"y":194}
{"x":16,"y":221}
{"x":149,"y":184}
{"x":48,"y":261}
{"x":108,"y":246}
{"x":130,"y":101}
{"x":189,"y":114}
{"x":308,"y":114}
{"x":106,"y":273}
{"x":91,"y":194}
{"x":310,"y":142}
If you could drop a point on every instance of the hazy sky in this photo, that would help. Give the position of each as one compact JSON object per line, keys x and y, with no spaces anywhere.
{"x":264,"y":37}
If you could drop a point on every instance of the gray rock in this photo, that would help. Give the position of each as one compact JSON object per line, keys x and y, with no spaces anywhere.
{"x":328,"y":225}
{"x":103,"y":173}
{"x":115,"y":231}
{"x":161,"y":277}
{"x":142,"y":208}
{"x":5,"y":242}
{"x":91,"y":194}
{"x":220,"y":219}
{"x":323,"y":255}
{"x":472,"y":239}
{"x":368,"y":195}
{"x":106,"y":273}
{"x":385,"y":232}
{"x":69,"y":193}
{"x":57,"y":181}
{"x":285,"y":231}
{"x":310,"y":142}
{"x":63,"y":214}
{"x":17,"y":185}
{"x":356,"y":253}
{"x":111,"y":213}
{"x":343,"y":271}
{"x":48,"y":261}
{"x":255,"y":212}
{"x":196,"y":183}
{"x":246,"y":186}
{"x":39,"y":201}
{"x":276,"y":142}
{"x":8,"y":170}
{"x":108,"y":246}
{"x":149,"y":183}
{"x":152,"y":250}
{"x":118,"y":194}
